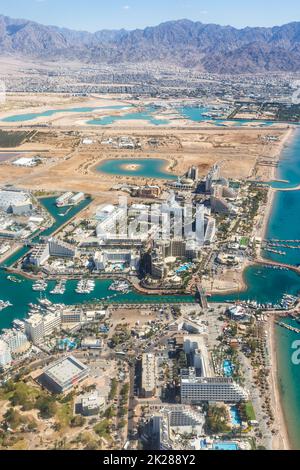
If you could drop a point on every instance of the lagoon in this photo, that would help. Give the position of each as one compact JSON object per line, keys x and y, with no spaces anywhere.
{"x":137,"y":167}
{"x":52,"y":112}
{"x":146,"y":115}
{"x":199,"y":114}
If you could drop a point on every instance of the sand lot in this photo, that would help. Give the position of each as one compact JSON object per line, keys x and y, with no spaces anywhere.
{"x":70,"y":164}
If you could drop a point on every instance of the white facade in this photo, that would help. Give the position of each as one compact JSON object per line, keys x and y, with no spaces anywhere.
{"x":64,"y":199}
{"x":34,"y":328}
{"x":15,"y":340}
{"x":5,"y":356}
{"x":14,"y":199}
{"x":195,"y":390}
{"x":148,"y":375}
{"x":102,"y":259}
{"x":39,"y":255}
{"x":77,"y":198}
{"x":38,"y":326}
{"x":60,"y":249}
{"x":52,"y":322}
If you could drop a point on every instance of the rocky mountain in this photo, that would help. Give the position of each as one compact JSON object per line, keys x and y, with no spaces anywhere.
{"x":208,"y":47}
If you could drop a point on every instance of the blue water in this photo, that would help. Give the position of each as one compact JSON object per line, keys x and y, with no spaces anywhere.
{"x":228,"y":368}
{"x":67,"y":344}
{"x":283,"y":224}
{"x":183,"y":268}
{"x":289,"y":379}
{"x":52,"y":112}
{"x":146,"y":115}
{"x":224,"y":446}
{"x":264,"y":285}
{"x":147,"y":168}
{"x":197,"y":115}
{"x":235,"y":416}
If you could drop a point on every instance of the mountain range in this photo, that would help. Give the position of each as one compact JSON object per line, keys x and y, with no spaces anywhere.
{"x":206,"y":47}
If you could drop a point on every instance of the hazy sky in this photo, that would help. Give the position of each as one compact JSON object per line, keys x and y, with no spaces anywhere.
{"x":93,"y":15}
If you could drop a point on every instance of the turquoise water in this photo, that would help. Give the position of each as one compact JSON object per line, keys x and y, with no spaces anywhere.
{"x":194,"y":114}
{"x":191,"y":113}
{"x":224,"y":446}
{"x":197,"y":115}
{"x":235,"y":416}
{"x":289,"y":379}
{"x":60,"y":216}
{"x":148,"y":168}
{"x":52,"y":112}
{"x":264,"y":285}
{"x":146,"y":115}
{"x":228,"y":368}
{"x":283,"y":224}
{"x":22,"y":294}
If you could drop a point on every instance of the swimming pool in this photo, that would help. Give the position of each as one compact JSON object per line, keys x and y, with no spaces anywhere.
{"x":228,"y":368}
{"x":66,"y":344}
{"x":225,"y":446}
{"x":184,"y":268}
{"x":235,"y":416}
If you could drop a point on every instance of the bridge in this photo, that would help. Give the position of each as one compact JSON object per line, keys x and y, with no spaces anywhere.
{"x":202,"y":296}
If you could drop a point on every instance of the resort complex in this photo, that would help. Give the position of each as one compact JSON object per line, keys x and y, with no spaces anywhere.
{"x":149,"y":242}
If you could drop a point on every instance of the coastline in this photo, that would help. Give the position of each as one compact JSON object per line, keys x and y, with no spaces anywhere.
{"x":284,"y":142}
{"x":280,"y":440}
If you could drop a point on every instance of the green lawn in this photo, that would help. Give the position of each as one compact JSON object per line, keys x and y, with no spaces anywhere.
{"x":244,"y":241}
{"x":250,"y":411}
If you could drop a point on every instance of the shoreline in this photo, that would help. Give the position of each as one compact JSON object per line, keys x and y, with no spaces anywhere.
{"x":272,"y":192}
{"x":281,"y":440}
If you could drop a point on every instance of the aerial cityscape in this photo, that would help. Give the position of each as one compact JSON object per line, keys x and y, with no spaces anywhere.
{"x":149,"y":232}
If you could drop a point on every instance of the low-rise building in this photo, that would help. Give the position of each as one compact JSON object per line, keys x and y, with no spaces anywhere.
{"x":92,"y":404}
{"x":64,"y":199}
{"x":92,"y":343}
{"x":64,"y":375}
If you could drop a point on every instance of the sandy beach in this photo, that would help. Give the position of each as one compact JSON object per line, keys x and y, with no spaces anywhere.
{"x":284,"y":142}
{"x":280,"y":440}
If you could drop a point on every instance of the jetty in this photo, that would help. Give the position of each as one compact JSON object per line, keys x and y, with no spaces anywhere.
{"x":288,"y":327}
{"x":277,"y":264}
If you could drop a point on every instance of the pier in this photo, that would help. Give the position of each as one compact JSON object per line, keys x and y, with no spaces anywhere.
{"x":288,"y":327}
{"x":266,"y":262}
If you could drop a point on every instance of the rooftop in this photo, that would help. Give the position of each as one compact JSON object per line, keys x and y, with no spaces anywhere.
{"x":65,"y":369}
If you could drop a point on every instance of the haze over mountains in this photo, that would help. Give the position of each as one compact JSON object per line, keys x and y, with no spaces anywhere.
{"x":206,"y":47}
